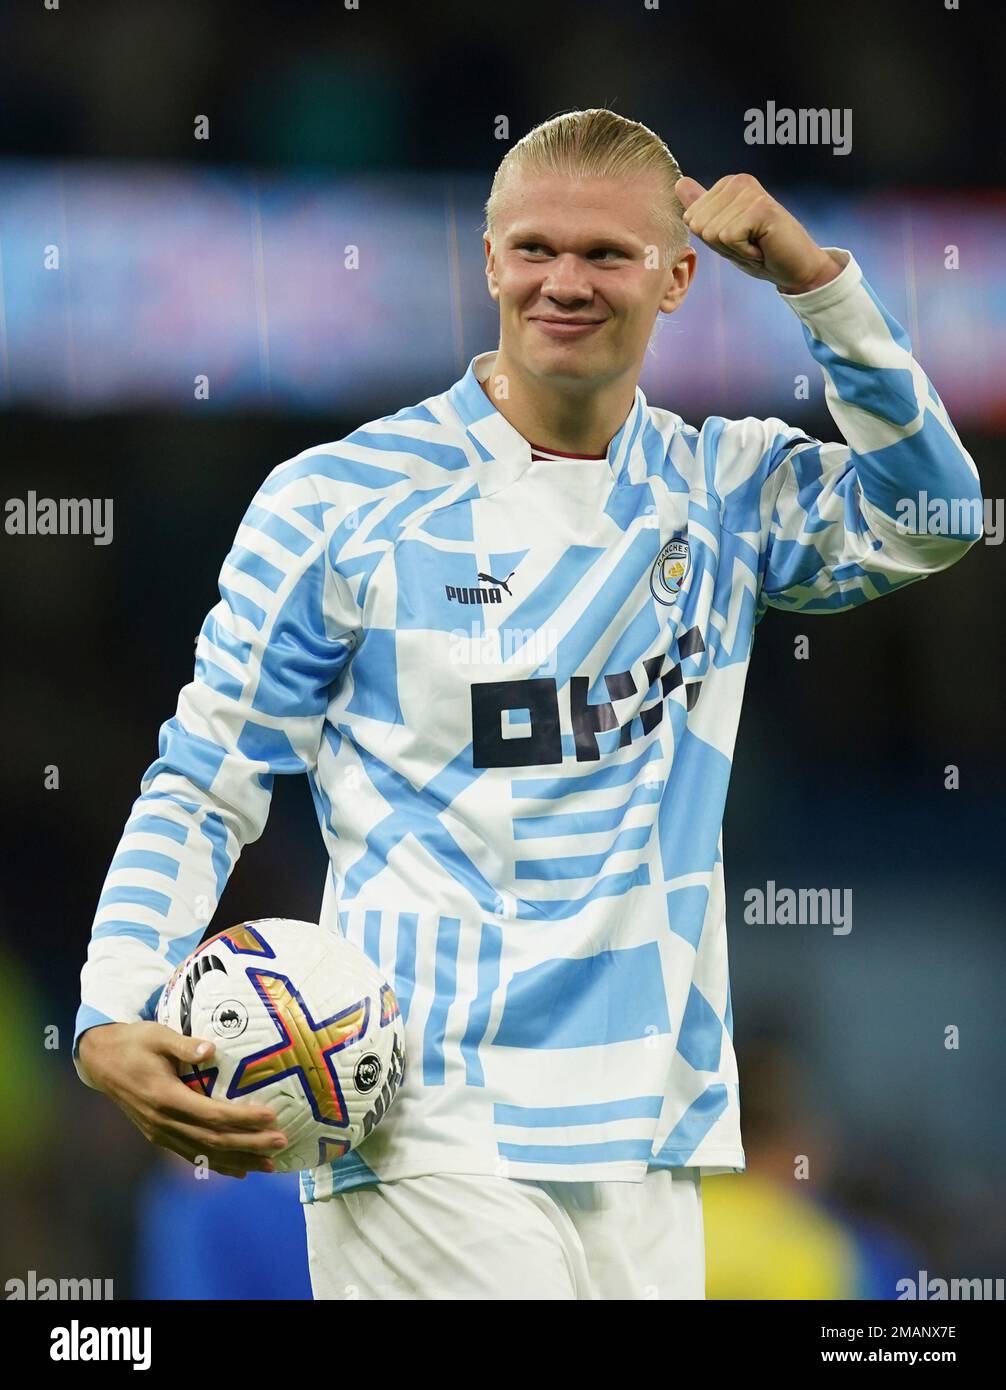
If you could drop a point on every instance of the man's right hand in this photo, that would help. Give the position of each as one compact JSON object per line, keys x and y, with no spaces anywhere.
{"x":134,"y":1064}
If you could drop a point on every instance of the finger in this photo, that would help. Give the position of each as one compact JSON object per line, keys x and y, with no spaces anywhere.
{"x":171,"y":1043}
{"x":709,"y":200}
{"x":736,"y":191}
{"x":237,"y":1164}
{"x":734,"y":224}
{"x":735,"y":238}
{"x":231,"y":1164}
{"x":248,"y":1145}
{"x":197,"y":1148}
{"x":687,"y":190}
{"x":176,"y":1101}
{"x":230,"y":1168}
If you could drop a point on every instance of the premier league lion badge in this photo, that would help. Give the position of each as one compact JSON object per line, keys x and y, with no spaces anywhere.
{"x":669,"y":571}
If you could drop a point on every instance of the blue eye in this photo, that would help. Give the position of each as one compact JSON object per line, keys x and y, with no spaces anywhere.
{"x":535,"y":248}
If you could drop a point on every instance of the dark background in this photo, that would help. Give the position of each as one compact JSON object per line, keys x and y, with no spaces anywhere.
{"x":839,"y":772}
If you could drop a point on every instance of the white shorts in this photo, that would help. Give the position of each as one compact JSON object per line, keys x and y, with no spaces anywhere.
{"x":454,"y":1236}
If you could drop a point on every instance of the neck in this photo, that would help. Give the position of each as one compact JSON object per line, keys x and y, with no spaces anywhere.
{"x":581,"y":421}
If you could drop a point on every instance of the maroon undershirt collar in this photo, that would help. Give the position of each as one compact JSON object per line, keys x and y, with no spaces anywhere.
{"x":540,"y":449}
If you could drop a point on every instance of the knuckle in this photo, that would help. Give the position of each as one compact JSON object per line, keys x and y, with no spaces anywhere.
{"x":159,"y":1132}
{"x":161,"y":1091}
{"x":234,"y":1142}
{"x":150,"y":1120}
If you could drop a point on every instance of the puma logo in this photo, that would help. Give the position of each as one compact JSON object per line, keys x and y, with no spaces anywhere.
{"x":503,"y":583}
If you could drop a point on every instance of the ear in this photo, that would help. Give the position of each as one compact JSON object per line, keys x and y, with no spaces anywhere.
{"x":494,"y":290}
{"x":679,"y":280}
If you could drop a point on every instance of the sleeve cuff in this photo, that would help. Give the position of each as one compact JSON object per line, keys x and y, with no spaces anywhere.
{"x":89,"y":1017}
{"x":844,"y":284}
{"x":86,"y":1018}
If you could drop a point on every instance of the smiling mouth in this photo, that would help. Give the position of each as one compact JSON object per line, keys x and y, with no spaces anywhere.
{"x":567,"y":328}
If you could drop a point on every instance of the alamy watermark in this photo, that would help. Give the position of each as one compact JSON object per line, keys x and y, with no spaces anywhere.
{"x":41,"y":1287}
{"x":799,"y":907}
{"x":929,"y":1288}
{"x":494,"y":646}
{"x":76,"y":1343}
{"x":59,"y":516}
{"x":951,"y":516}
{"x":782,"y":125}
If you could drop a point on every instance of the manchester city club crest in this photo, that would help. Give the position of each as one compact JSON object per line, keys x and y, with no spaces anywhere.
{"x":669,"y":571}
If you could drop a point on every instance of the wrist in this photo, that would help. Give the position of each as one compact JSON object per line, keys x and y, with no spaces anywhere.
{"x":89,"y":1045}
{"x":828,"y":269}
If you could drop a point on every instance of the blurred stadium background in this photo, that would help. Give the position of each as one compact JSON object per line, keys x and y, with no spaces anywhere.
{"x":225,"y":258}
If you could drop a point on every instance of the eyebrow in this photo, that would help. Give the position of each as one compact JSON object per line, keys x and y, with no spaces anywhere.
{"x":618,"y":243}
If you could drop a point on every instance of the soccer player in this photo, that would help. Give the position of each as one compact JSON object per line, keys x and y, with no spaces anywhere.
{"x":505,"y":633}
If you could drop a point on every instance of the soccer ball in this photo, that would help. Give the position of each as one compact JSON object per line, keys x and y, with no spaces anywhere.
{"x":303,"y":1022}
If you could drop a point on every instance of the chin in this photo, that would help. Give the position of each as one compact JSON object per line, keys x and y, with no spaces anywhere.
{"x":569,"y":361}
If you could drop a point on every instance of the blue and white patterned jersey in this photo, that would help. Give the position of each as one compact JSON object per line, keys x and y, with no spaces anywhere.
{"x":514,"y":686}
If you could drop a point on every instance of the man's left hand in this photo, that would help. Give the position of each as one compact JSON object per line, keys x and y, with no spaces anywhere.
{"x":744,"y":224}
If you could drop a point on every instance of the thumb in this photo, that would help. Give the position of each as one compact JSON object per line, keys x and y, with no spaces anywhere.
{"x":688,"y":190}
{"x":185,"y":1049}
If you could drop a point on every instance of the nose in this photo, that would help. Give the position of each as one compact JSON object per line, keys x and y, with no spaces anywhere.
{"x":567,"y":280}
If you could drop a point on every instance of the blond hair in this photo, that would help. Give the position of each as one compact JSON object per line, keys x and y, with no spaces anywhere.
{"x":596,"y":143}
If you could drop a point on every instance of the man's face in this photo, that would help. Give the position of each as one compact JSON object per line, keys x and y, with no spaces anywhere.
{"x":578,"y":269}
